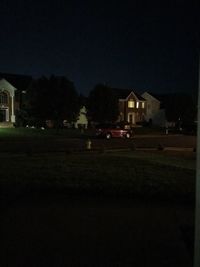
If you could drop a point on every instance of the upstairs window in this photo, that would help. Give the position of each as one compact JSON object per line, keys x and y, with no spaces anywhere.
{"x":3,"y":98}
{"x":131,"y":104}
{"x":137,"y":104}
{"x":143,"y":104}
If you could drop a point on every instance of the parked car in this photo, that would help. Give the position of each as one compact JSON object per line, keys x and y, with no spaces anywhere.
{"x":113,"y":130}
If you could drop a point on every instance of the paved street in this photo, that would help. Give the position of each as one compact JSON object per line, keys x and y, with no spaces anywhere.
{"x":64,"y":144}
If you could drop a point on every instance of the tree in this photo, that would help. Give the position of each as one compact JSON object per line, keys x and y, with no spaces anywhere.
{"x":35,"y":103}
{"x":64,"y":99}
{"x":54,"y":98}
{"x":103,"y":104}
{"x":180,"y":107}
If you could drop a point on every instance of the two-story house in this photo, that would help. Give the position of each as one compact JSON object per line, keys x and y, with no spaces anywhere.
{"x":132,"y":106}
{"x":12,"y":89}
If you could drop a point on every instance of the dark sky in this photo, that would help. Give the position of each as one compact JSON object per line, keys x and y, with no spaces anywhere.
{"x":125,"y":44}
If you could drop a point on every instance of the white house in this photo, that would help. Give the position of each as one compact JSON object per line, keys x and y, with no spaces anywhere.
{"x":7,"y":102}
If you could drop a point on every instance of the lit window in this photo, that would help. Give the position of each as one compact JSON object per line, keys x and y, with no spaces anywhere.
{"x":3,"y":98}
{"x":137,"y":104}
{"x":142,"y":104}
{"x":131,"y":104}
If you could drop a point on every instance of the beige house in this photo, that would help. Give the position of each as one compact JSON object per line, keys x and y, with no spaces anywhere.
{"x":132,"y":106}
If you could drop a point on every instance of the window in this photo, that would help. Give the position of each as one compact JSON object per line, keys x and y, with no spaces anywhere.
{"x":131,"y":104}
{"x":3,"y":98}
{"x":143,"y":104}
{"x":137,"y":104}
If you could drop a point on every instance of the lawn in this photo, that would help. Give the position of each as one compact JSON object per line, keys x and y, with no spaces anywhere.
{"x":130,"y":174}
{"x":21,"y":133}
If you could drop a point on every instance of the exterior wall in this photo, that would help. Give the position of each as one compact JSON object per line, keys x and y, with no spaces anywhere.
{"x":153,"y":109}
{"x":133,"y":114}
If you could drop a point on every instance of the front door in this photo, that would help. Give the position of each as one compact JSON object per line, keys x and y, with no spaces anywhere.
{"x":2,"y":115}
{"x":131,"y":118}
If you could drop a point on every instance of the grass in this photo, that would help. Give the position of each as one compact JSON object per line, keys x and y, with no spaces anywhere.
{"x":117,"y":174}
{"x":132,"y":173}
{"x":21,"y":133}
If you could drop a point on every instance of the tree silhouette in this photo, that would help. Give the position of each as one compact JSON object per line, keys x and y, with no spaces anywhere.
{"x":54,"y":98}
{"x":103,"y":104}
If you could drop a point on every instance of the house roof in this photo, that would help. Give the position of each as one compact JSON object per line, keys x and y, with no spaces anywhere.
{"x":21,"y":82}
{"x":124,"y":93}
{"x":156,"y":97}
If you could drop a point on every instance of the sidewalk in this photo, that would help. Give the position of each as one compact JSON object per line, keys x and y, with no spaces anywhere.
{"x":69,"y":231}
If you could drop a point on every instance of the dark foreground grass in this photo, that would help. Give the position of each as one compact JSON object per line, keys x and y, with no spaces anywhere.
{"x":129,"y":174}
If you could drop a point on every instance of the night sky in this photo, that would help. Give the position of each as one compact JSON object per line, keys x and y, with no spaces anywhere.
{"x":124,"y":44}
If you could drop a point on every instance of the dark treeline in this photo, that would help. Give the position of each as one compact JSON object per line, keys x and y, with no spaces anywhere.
{"x":55,"y":98}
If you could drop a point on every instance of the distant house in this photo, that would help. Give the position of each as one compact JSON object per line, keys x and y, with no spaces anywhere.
{"x":132,"y":106}
{"x":12,"y":88}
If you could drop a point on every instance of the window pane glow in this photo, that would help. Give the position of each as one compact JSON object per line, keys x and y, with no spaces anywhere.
{"x":142,"y":104}
{"x":131,"y":104}
{"x":137,"y":105}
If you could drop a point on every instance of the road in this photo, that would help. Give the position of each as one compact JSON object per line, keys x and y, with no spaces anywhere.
{"x":64,"y":144}
{"x":147,"y":141}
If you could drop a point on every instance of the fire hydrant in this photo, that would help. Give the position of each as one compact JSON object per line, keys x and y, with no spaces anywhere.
{"x":88,"y":144}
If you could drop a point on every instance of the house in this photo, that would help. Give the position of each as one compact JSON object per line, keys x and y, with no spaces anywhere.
{"x":154,"y":114}
{"x":12,"y":89}
{"x":132,"y":106}
{"x":7,"y":102}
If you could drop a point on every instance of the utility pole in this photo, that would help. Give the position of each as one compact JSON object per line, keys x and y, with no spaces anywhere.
{"x":197,"y":207}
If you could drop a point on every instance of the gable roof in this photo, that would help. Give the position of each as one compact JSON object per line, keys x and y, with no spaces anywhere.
{"x":124,"y":93}
{"x":152,"y":95}
{"x":5,"y":85}
{"x":21,"y":82}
